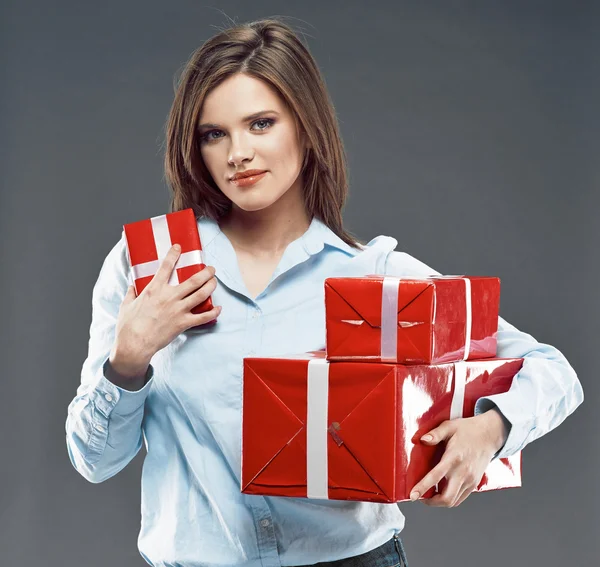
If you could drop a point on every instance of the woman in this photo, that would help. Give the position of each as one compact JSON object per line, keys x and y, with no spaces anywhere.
{"x":253,"y":147}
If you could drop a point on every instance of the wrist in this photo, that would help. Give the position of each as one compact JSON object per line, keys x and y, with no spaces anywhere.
{"x":129,"y":361}
{"x":497,"y":427}
{"x":127,"y":370}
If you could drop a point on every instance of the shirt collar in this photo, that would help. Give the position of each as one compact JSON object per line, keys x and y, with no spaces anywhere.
{"x":313,"y":240}
{"x":319,"y":234}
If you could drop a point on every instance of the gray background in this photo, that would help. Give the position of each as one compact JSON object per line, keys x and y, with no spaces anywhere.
{"x":471,"y":131}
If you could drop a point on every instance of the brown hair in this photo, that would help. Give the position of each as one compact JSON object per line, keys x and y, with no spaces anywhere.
{"x":268,"y":50}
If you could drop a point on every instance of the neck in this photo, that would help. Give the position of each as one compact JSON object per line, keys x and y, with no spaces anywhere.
{"x":267,"y":232}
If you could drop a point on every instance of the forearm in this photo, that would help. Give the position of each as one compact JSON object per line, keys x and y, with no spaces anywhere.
{"x":104,"y":422}
{"x":103,"y":427}
{"x":542,"y":394}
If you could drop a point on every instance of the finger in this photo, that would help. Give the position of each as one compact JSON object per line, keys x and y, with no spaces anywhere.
{"x":435,"y":502}
{"x":430,"y":479}
{"x":165,"y":269}
{"x":193,"y":319}
{"x":194,"y":282}
{"x":441,"y":432}
{"x":449,"y":495}
{"x":464,"y":495}
{"x":199,"y":295}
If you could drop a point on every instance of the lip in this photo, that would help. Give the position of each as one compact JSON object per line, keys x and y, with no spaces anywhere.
{"x":247,"y":180}
{"x":247,"y":173}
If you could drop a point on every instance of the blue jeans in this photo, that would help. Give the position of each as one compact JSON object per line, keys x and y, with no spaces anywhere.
{"x":390,"y":554}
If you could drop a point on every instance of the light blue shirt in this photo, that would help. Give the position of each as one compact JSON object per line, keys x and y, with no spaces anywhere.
{"x":189,"y":412}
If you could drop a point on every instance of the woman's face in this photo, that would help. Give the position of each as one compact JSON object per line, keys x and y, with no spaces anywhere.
{"x":244,"y":124}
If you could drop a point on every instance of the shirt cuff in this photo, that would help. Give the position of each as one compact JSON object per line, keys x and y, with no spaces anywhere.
{"x":109,"y":398}
{"x":518,"y":430}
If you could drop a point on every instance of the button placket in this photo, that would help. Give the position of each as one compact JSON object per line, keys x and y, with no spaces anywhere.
{"x":267,"y":544}
{"x":254,"y":330}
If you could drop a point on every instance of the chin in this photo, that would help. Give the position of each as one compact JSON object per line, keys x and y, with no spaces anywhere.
{"x":251,"y":208}
{"x":254,"y":203}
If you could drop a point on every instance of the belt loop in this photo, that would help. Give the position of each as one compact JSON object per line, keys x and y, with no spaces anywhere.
{"x":400,"y":550}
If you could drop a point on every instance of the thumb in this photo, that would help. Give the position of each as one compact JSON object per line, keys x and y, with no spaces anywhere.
{"x":441,"y":432}
{"x":130,"y":295}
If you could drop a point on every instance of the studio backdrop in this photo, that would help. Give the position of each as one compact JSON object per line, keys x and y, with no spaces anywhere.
{"x":471,"y":130}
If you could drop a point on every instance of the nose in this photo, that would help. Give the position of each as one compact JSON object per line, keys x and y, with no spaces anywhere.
{"x":240,"y":151}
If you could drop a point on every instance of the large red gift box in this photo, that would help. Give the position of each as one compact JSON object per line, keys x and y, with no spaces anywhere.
{"x":350,"y":430}
{"x":149,"y":241}
{"x":411,"y":321}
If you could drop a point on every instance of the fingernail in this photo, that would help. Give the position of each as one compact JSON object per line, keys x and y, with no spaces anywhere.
{"x":414,"y":495}
{"x":177,"y":247}
{"x":426,"y":437}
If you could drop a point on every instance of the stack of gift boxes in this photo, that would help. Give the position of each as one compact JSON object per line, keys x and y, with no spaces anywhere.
{"x":402,"y":356}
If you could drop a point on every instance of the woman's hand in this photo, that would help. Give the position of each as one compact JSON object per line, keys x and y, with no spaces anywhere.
{"x":471,"y":443}
{"x":162,"y":311}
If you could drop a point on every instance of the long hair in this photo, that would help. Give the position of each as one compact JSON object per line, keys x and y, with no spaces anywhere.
{"x":269,"y":50}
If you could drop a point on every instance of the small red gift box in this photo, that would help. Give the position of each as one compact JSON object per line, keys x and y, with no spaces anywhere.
{"x":411,"y":321}
{"x":149,"y":241}
{"x":351,"y":431}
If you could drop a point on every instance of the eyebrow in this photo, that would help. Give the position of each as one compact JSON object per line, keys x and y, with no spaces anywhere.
{"x":245,"y":119}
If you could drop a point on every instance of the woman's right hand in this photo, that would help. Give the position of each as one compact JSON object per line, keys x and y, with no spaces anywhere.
{"x":150,"y":322}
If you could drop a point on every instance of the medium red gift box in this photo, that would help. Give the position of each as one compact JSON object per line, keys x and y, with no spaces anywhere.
{"x":149,"y":241}
{"x":411,"y":321}
{"x":350,"y":430}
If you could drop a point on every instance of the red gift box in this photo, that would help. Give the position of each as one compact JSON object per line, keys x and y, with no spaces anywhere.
{"x":149,"y":241}
{"x":411,"y":321}
{"x":350,"y":430}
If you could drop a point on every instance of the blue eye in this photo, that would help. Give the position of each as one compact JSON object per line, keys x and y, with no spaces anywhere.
{"x":266,"y":124}
{"x":268,"y":121}
{"x":206,"y":136}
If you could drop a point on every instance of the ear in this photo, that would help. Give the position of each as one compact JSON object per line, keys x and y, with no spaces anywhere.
{"x":305,"y":140}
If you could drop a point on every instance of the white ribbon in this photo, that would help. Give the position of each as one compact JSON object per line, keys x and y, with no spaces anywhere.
{"x":162,"y":239}
{"x":389,"y":316}
{"x":389,"y":319}
{"x":458,"y":398}
{"x":316,"y":429}
{"x":469,"y":318}
{"x":317,"y":417}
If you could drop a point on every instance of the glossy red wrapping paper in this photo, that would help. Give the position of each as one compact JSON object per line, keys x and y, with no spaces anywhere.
{"x":432,"y":317}
{"x":376,"y":413}
{"x":149,"y":240}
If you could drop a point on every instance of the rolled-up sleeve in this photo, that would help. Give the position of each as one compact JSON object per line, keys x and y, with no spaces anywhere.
{"x":543,"y":393}
{"x":104,"y":422}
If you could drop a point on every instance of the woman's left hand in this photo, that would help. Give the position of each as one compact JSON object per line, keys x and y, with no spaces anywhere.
{"x":471,"y":443}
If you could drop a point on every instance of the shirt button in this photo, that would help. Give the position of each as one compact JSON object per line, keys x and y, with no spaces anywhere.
{"x":99,"y":428}
{"x":108,"y":398}
{"x":265,"y":523}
